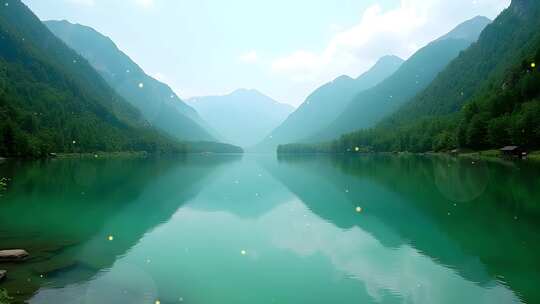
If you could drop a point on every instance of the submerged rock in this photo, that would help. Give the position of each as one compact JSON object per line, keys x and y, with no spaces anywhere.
{"x":2,"y":274}
{"x":14,"y":255}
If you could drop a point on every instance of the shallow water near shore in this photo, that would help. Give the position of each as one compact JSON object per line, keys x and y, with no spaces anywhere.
{"x":266,"y":229}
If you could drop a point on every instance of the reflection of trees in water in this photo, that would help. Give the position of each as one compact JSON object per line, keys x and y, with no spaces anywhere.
{"x":460,"y":180}
{"x":63,"y":211}
{"x":426,"y":213}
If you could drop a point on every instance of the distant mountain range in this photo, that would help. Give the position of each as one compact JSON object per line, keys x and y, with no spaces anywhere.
{"x":487,"y":97}
{"x":414,"y":75}
{"x":324,"y":105}
{"x":243,"y":117}
{"x":156,"y":101}
{"x":476,"y":87}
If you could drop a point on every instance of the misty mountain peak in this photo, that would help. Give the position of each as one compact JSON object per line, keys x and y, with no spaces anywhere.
{"x":469,"y":30}
{"x":246,"y":92}
{"x":244,"y":116}
{"x":342,"y":78}
{"x":389,"y":60}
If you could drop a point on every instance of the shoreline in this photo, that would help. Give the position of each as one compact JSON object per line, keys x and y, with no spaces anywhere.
{"x":112,"y":155}
{"x":484,"y":155}
{"x":97,"y":155}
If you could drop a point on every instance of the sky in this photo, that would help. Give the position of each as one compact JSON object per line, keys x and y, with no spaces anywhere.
{"x":283,"y":48}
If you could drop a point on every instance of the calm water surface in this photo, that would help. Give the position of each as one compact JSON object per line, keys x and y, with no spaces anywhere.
{"x":261,"y":229}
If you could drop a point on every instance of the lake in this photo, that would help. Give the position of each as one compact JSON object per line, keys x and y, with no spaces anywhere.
{"x":268,"y":229}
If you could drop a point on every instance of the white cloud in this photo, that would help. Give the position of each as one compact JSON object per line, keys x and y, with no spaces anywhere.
{"x":399,"y":31}
{"x":249,"y":57}
{"x":301,"y":65}
{"x":335,"y":27}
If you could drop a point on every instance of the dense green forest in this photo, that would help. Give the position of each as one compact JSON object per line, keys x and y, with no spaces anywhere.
{"x":52,"y":100}
{"x":156,"y":101}
{"x":487,"y":98}
{"x":369,"y":107}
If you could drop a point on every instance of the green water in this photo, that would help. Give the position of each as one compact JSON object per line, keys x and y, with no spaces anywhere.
{"x":258,"y":229}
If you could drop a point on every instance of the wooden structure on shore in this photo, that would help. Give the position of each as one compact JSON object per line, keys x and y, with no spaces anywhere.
{"x":514,"y":151}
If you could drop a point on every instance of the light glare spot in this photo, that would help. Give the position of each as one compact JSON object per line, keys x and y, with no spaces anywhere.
{"x":110,"y":238}
{"x":141,"y":85}
{"x":359,"y":209}
{"x":243,"y":252}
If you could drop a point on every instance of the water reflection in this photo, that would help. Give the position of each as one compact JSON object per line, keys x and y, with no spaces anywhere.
{"x":64,"y":212}
{"x":492,"y":239}
{"x":257,"y":230}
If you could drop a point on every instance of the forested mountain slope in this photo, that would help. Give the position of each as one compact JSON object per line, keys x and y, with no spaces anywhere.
{"x":52,"y":100}
{"x":326,"y":103}
{"x":371,"y":106}
{"x":503,"y":44}
{"x":500,"y":104}
{"x":154,"y":99}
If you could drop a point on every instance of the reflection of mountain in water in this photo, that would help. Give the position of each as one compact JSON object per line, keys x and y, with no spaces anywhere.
{"x":244,"y":189}
{"x":406,"y":201}
{"x":80,"y":204}
{"x":416,"y":240}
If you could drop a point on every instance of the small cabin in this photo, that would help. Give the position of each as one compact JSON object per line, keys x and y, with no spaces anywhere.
{"x":514,"y":151}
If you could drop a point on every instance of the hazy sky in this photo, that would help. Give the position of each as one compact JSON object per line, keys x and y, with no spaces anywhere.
{"x":283,"y":48}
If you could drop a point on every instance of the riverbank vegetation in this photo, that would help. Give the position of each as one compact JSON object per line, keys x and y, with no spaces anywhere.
{"x":4,"y":297}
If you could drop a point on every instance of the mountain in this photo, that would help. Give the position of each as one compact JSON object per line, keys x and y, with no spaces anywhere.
{"x":243,"y":117}
{"x":487,"y":98}
{"x":156,"y":101}
{"x":414,"y":75}
{"x":468,"y":30}
{"x":501,"y":45}
{"x":52,"y":100}
{"x":325,"y":104}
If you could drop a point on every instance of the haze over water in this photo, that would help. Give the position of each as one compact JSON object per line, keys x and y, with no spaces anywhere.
{"x":261,"y":229}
